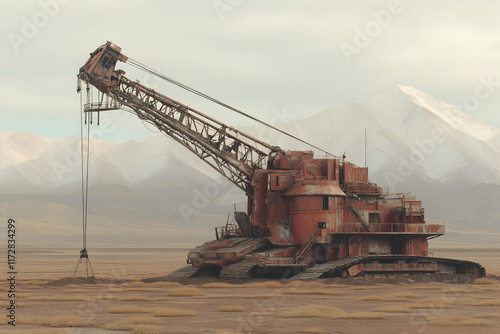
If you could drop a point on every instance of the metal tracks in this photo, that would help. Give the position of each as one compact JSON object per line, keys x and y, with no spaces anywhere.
{"x":442,"y":265}
{"x":238,"y":271}
{"x":184,"y":272}
{"x":318,"y":270}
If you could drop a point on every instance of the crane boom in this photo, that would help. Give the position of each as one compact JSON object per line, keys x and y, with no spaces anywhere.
{"x":234,"y":154}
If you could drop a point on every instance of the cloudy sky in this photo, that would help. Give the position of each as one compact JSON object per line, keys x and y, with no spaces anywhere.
{"x":258,"y":55}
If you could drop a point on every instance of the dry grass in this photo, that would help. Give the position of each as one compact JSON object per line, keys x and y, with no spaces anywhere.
{"x":360,"y":316}
{"x":140,"y":289}
{"x":146,"y":329}
{"x":456,"y":290}
{"x":313,"y":330}
{"x":76,"y":291}
{"x":165,"y":284}
{"x":134,"y":328}
{"x":485,"y":288}
{"x":432,"y":303}
{"x":226,"y":332}
{"x":139,"y":320}
{"x":311,"y":311}
{"x":483,"y":302}
{"x":217,"y":285}
{"x":430,"y":287}
{"x":266,"y":285}
{"x":486,"y":315}
{"x":67,"y":298}
{"x":396,"y":297}
{"x":230,"y":308}
{"x":38,"y":331}
{"x":128,"y":309}
{"x":312,"y":292}
{"x":361,"y":287}
{"x":185,"y":292}
{"x":172,"y":312}
{"x":305,"y":284}
{"x":484,"y":280}
{"x":157,"y":311}
{"x":134,"y":298}
{"x":448,"y":320}
{"x":322,"y":311}
{"x":134,"y":284}
{"x":56,"y":321}
{"x":235,"y":296}
{"x":393,"y":309}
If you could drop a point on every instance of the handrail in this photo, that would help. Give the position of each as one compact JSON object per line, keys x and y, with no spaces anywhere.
{"x":393,"y":228}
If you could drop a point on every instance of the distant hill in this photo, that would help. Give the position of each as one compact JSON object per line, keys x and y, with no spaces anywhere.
{"x":155,"y":192}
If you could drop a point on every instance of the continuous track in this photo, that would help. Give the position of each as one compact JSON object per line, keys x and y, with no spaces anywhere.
{"x":335,"y":267}
{"x":184,"y":272}
{"x":238,"y":271}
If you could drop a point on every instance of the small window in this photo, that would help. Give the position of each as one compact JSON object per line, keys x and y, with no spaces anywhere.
{"x":321,"y":225}
{"x":374,"y":218}
{"x":277,"y":181}
{"x":325,"y":203}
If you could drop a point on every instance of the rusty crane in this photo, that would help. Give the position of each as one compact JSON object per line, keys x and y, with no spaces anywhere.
{"x":306,"y":217}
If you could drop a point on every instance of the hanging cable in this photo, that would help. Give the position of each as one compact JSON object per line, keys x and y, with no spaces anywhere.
{"x":85,"y":186}
{"x":81,"y":159}
{"x":145,"y":68}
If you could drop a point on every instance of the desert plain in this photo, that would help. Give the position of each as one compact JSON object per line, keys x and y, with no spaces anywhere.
{"x":131,"y":294}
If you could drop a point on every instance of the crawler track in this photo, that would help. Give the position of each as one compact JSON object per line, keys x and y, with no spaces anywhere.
{"x":390,"y":265}
{"x":238,"y":271}
{"x":184,"y":272}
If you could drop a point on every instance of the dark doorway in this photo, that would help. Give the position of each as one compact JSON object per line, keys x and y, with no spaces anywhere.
{"x":397,"y":245}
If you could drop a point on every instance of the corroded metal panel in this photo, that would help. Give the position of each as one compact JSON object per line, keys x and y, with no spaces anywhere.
{"x":356,"y":269}
{"x":259,"y":209}
{"x":323,"y":188}
{"x":401,"y":266}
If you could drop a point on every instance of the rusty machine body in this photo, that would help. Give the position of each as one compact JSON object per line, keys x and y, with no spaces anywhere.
{"x":306,"y":217}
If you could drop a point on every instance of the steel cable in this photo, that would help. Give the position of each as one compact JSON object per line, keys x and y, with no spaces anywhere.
{"x":145,"y":68}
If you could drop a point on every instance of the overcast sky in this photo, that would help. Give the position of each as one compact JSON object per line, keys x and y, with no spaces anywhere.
{"x":300,"y":56}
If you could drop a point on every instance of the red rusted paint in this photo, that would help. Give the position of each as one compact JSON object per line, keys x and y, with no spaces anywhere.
{"x":356,"y":269}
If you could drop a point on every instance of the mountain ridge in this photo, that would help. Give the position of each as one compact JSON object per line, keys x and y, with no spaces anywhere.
{"x":450,"y":160}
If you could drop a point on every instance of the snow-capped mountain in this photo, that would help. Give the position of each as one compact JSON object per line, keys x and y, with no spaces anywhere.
{"x":416,"y":143}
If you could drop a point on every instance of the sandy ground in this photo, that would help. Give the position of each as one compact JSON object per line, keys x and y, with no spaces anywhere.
{"x":48,"y":301}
